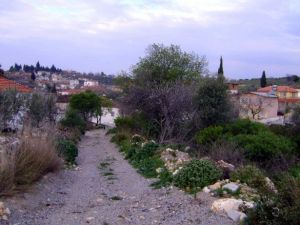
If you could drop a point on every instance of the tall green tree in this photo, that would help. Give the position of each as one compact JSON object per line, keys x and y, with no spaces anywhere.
{"x":163,"y":64}
{"x":33,"y":77}
{"x":221,"y":70}
{"x":263,"y":80}
{"x":213,"y":103}
{"x":38,"y":66}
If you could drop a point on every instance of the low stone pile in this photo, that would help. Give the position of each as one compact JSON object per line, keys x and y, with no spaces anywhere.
{"x":174,"y":159}
{"x":4,"y":212}
{"x":233,"y":207}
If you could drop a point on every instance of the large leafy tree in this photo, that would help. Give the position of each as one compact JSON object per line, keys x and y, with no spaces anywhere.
{"x":163,"y":64}
{"x":162,"y":89}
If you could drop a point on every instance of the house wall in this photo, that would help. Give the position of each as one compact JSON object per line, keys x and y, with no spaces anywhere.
{"x":268,"y":106}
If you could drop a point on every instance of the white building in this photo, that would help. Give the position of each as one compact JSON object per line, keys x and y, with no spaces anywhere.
{"x":90,"y":83}
{"x":74,"y":83}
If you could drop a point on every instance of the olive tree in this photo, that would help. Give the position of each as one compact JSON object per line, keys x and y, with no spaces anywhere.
{"x":11,"y":103}
{"x":162,"y":89}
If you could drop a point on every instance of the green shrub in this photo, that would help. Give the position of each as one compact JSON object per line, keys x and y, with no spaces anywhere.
{"x":112,"y":131}
{"x":120,"y":137}
{"x":279,"y":209}
{"x":147,"y":151}
{"x":244,"y":126}
{"x":250,"y":175}
{"x":74,"y":120}
{"x":295,"y":171}
{"x":165,"y":179}
{"x":197,"y":174}
{"x":68,"y":150}
{"x":125,"y":123}
{"x":147,"y":166}
{"x":209,"y":135}
{"x":264,"y":146}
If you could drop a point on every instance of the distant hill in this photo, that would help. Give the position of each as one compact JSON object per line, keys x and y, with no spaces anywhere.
{"x":254,"y":83}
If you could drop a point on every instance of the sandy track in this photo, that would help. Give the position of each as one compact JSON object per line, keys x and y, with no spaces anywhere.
{"x":112,"y":194}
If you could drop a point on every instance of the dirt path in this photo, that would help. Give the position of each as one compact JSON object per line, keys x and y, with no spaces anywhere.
{"x":106,"y":190}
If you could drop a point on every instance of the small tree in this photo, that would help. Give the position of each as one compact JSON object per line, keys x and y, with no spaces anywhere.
{"x":86,"y":103}
{"x":42,"y":108}
{"x":38,"y":66}
{"x":252,"y":106}
{"x":11,"y":103}
{"x":263,"y":80}
{"x":103,"y":103}
{"x":33,"y":77}
{"x":212,"y":102}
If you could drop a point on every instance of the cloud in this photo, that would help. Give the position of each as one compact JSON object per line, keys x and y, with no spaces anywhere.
{"x":249,"y":34}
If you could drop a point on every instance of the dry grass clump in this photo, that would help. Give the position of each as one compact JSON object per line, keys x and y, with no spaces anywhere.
{"x":7,"y":171}
{"x":35,"y":157}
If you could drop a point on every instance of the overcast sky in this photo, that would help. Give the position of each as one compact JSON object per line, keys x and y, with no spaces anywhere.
{"x":111,"y":35}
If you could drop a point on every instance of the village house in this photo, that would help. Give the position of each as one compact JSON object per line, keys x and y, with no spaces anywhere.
{"x":287,"y":97}
{"x":6,"y":84}
{"x":90,"y":83}
{"x":258,"y":106}
{"x":233,"y":88}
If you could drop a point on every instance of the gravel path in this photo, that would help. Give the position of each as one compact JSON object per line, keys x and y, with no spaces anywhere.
{"x":106,"y":190}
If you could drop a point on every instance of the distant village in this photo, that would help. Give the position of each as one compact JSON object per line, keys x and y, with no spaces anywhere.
{"x":54,"y":80}
{"x":271,"y":104}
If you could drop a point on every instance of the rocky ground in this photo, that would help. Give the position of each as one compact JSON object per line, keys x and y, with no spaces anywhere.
{"x":106,"y":190}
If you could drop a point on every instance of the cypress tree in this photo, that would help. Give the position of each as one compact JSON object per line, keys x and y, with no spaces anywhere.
{"x":263,"y":80}
{"x":220,"y":70}
{"x":33,"y":77}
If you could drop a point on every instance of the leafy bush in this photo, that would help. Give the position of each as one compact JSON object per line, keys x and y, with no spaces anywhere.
{"x":197,"y":174}
{"x":244,"y":126}
{"x":264,"y":146}
{"x":125,"y":123}
{"x":209,"y":135}
{"x":68,"y":150}
{"x":165,"y":179}
{"x":73,"y":120}
{"x":280,"y":209}
{"x":147,"y":166}
{"x":120,"y":137}
{"x":227,"y":151}
{"x":250,"y":175}
{"x":147,"y":151}
{"x":295,"y":171}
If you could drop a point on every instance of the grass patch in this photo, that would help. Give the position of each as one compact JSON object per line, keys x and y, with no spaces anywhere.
{"x":103,"y":165}
{"x":116,"y":198}
{"x":108,"y":174}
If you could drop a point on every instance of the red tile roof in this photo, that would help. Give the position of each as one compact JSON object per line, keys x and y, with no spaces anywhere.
{"x":279,"y":89}
{"x":289,"y":100}
{"x":6,"y":84}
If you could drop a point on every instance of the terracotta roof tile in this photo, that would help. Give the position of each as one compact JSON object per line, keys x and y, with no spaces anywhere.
{"x":6,"y":84}
{"x":279,"y":88}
